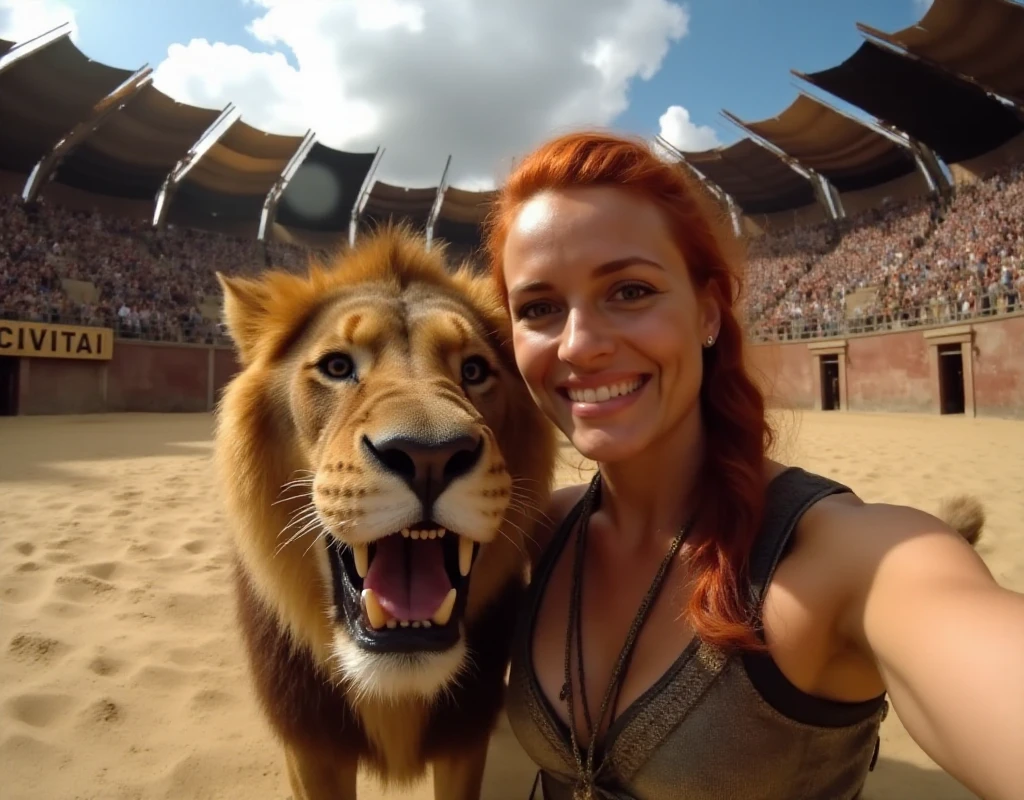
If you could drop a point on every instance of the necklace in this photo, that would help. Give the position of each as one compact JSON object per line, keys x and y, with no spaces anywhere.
{"x":585,"y":788}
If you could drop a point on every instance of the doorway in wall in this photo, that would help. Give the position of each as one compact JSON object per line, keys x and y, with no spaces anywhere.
{"x":10,"y":369}
{"x":951,"y":379}
{"x":829,"y":383}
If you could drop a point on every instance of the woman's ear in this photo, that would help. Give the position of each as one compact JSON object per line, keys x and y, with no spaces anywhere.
{"x":710,"y":317}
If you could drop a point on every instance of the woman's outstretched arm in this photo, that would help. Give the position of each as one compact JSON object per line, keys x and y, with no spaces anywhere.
{"x":947,"y":639}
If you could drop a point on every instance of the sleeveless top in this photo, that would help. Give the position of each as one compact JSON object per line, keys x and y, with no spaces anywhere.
{"x":714,"y":726}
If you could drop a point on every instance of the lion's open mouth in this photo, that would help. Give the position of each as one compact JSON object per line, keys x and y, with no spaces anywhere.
{"x":405,"y":592}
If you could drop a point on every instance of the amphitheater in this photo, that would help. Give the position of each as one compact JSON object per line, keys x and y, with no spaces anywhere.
{"x":883,"y":301}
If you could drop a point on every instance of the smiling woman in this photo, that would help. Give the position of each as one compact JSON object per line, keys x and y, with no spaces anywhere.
{"x":802,"y":606}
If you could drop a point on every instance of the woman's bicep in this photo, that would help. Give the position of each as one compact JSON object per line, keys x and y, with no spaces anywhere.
{"x":948,"y":642}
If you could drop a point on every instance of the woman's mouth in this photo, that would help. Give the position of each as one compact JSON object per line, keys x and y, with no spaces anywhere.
{"x":603,"y":399}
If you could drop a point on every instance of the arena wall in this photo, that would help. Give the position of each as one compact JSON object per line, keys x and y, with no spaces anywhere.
{"x":140,"y":376}
{"x":899,"y":371}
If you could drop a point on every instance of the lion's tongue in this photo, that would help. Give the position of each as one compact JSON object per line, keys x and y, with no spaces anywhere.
{"x":408,"y":577}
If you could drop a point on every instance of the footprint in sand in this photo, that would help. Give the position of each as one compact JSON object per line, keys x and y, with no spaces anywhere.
{"x":102,"y":712}
{"x":105,"y":666}
{"x":39,"y":710}
{"x":25,"y":548}
{"x":35,"y":647}
{"x":195,"y":547}
{"x":83,"y":588}
{"x":104,"y":570}
{"x":121,"y":512}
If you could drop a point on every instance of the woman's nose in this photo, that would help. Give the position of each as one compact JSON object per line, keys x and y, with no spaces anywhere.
{"x":586,"y":337}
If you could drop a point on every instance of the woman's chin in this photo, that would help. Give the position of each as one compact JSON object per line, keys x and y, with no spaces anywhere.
{"x":606,"y":446}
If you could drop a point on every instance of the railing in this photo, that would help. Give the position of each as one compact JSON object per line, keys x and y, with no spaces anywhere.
{"x":804,"y":328}
{"x":178,"y":332}
{"x":929,"y":314}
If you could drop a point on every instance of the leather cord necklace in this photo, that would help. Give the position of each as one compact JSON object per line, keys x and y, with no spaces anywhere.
{"x":584,"y":788}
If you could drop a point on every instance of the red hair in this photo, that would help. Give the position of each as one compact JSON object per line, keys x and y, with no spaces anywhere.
{"x":737,"y":433}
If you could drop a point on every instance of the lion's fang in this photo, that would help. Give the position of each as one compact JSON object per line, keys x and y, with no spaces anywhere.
{"x":444,"y":611}
{"x":465,"y":555}
{"x":361,"y":557}
{"x":375,"y":613}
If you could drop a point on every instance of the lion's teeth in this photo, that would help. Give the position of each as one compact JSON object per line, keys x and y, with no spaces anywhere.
{"x":444,"y":611}
{"x":361,"y":555}
{"x":404,"y":623}
{"x":414,"y":534}
{"x":440,"y":533}
{"x":375,"y":614}
{"x":405,"y":532}
{"x":465,"y":555}
{"x":392,"y":623}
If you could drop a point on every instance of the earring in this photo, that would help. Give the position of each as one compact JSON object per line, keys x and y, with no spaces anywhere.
{"x":709,"y":341}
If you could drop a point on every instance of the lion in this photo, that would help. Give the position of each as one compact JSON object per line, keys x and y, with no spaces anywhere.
{"x":383,"y":465}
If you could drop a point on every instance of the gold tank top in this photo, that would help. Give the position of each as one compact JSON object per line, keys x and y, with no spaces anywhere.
{"x":714,"y":726}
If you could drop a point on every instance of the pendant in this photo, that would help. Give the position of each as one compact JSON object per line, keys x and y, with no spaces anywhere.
{"x":582,"y":791}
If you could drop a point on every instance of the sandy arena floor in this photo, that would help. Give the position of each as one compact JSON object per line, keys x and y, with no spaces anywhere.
{"x":121,"y":674}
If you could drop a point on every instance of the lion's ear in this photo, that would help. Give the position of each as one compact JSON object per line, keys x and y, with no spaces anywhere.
{"x":478,"y":286}
{"x":245,"y":310}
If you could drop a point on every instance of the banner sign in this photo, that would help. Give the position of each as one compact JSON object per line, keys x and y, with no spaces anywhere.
{"x":44,"y":340}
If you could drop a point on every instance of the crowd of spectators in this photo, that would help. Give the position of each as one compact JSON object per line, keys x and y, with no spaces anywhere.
{"x":920,"y":262}
{"x":924,"y":261}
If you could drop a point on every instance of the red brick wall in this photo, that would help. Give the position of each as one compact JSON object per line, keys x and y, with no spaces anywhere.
{"x":999,"y":368}
{"x":894,"y":371}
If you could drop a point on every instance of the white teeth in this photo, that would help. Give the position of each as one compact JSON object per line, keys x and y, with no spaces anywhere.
{"x":465,"y":555}
{"x":392,"y":623}
{"x":404,"y":623}
{"x":444,"y":611}
{"x":375,"y":614}
{"x":361,"y":557}
{"x":405,"y":532}
{"x":440,"y":533}
{"x":603,"y":393}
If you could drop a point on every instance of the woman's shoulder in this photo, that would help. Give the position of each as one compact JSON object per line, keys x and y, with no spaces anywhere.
{"x":561,"y":503}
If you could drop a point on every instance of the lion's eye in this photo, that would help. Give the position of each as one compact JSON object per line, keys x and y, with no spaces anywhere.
{"x":337,"y":366}
{"x":475,"y":370}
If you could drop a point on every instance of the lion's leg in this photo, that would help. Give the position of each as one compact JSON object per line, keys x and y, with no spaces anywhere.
{"x":460,"y":777}
{"x":314,"y":776}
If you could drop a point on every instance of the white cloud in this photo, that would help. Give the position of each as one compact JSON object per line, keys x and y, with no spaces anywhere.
{"x":26,"y":19}
{"x":484,"y":80}
{"x":679,"y":131}
{"x":921,"y":6}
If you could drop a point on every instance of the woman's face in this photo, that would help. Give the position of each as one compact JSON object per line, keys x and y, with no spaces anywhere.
{"x":607,"y":326}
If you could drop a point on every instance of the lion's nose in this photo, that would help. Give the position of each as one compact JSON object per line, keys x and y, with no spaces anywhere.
{"x":426,"y":466}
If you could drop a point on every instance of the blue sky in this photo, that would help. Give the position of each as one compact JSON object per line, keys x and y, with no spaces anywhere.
{"x":485,"y":79}
{"x":737,"y":55}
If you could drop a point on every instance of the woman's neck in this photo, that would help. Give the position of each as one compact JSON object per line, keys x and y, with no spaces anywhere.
{"x":650,"y":495}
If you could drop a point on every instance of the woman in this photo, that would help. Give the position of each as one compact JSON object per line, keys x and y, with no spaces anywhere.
{"x":714,"y":624}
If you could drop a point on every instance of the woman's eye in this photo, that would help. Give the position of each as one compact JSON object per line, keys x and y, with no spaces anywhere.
{"x":633,"y":291}
{"x":337,"y":366}
{"x":536,"y":310}
{"x":475,"y":370}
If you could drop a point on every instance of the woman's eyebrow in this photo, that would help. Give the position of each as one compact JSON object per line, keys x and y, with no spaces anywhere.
{"x":600,"y":271}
